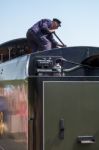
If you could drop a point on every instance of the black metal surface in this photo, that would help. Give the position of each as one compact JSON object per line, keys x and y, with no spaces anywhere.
{"x":72,"y":56}
{"x":74,"y":61}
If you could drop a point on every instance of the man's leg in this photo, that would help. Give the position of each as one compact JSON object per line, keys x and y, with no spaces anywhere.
{"x":39,"y":42}
{"x":46,"y":44}
{"x":31,"y":41}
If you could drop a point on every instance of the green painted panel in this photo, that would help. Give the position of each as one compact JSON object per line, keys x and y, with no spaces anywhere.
{"x":78,"y":104}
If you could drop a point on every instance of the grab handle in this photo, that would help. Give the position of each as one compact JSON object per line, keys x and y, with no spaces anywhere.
{"x":86,"y":139}
{"x":61,"y":128}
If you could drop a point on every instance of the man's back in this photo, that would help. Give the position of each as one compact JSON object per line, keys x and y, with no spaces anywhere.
{"x":41,"y":26}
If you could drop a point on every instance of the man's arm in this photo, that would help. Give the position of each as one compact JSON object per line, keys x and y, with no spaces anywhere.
{"x":54,"y":42}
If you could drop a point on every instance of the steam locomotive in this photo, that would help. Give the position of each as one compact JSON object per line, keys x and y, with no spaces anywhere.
{"x":48,"y":99}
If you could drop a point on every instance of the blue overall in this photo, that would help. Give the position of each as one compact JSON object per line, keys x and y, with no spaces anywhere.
{"x":39,"y":38}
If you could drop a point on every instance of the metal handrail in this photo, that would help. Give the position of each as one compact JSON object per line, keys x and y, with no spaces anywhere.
{"x":1,"y":57}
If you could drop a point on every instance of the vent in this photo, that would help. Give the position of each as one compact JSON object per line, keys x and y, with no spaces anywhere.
{"x":92,"y":61}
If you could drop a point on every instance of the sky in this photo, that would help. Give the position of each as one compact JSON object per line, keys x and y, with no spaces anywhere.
{"x":80,"y":19}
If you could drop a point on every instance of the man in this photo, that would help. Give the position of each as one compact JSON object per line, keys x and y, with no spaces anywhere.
{"x":40,"y":37}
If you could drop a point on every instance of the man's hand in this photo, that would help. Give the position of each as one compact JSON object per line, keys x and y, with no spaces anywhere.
{"x":62,"y":45}
{"x":51,"y":31}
